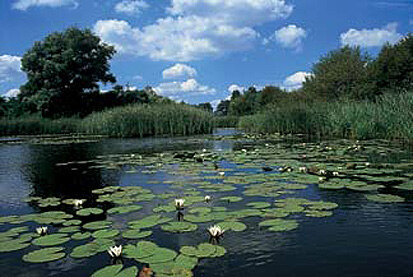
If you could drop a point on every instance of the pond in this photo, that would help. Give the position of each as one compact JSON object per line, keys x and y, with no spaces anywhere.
{"x":289,"y":207}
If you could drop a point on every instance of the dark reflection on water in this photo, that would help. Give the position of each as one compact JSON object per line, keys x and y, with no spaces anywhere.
{"x":361,"y":239}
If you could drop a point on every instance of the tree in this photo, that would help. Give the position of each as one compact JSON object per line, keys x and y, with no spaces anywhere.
{"x":342,"y":73}
{"x":270,"y":94}
{"x":206,"y":106}
{"x":393,"y":68}
{"x":62,"y":67}
{"x":222,"y":108}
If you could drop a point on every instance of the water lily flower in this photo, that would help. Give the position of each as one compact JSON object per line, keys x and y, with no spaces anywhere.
{"x":323,"y":172}
{"x":244,"y":150}
{"x":335,"y":173}
{"x":179,"y":203}
{"x":222,"y":173}
{"x":41,"y":230}
{"x":303,"y":169}
{"x":322,"y":179}
{"x":266,"y":145}
{"x":367,"y":164}
{"x":78,"y":202}
{"x":115,"y":251}
{"x":204,"y":150}
{"x":216,"y":231}
{"x":207,"y":198}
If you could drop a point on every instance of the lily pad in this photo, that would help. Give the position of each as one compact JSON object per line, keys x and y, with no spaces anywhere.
{"x":105,"y":234}
{"x":44,"y":255}
{"x":385,"y":198}
{"x":136,"y":234}
{"x":89,"y":211}
{"x":279,"y":225}
{"x":179,"y":227}
{"x":51,"y":240}
{"x":116,"y":271}
{"x":235,"y":226}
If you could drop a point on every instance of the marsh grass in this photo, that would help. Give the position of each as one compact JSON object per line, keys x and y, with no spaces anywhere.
{"x":149,"y":120}
{"x":226,"y":121}
{"x":36,"y":125}
{"x":390,"y":117}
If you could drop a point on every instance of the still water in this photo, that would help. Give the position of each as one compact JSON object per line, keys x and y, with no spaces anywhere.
{"x":362,"y":238}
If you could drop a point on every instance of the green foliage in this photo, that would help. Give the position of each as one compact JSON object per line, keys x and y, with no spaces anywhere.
{"x":390,"y":117}
{"x":148,"y":120}
{"x":62,"y":67}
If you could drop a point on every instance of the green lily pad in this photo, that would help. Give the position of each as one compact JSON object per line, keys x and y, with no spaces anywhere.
{"x":51,"y":240}
{"x":317,"y":213}
{"x":259,"y":205}
{"x":279,"y":225}
{"x":231,"y":198}
{"x":13,"y":245}
{"x":81,"y":236}
{"x":70,"y":229}
{"x":97,"y":225}
{"x":136,"y":234}
{"x":179,"y":227}
{"x":116,"y":271}
{"x":105,"y":234}
{"x":385,"y":198}
{"x":235,"y":226}
{"x":141,"y":250}
{"x":89,"y":211}
{"x":124,"y":209}
{"x":44,"y":255}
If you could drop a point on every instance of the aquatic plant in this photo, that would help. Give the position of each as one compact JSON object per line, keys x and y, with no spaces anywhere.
{"x":215,"y":231}
{"x":115,"y":251}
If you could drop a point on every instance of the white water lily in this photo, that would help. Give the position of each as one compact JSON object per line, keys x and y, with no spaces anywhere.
{"x":244,"y":150}
{"x":335,"y":173}
{"x":115,"y":251}
{"x":78,"y":202}
{"x":322,"y":179}
{"x":179,"y":203}
{"x":303,"y":169}
{"x":323,"y":172}
{"x":215,"y":231}
{"x":41,"y":230}
{"x":207,"y":198}
{"x":367,"y":164}
{"x":204,"y":150}
{"x":222,"y":173}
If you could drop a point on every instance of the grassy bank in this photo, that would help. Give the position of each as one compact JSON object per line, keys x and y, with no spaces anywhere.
{"x":36,"y":125}
{"x":390,"y":117}
{"x":128,"y":121}
{"x":149,"y":120}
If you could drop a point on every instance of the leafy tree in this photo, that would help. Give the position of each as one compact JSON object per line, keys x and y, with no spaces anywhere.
{"x":222,"y":108}
{"x":342,"y":73}
{"x":62,"y":67}
{"x":206,"y":106}
{"x":270,"y":94}
{"x":393,"y":68}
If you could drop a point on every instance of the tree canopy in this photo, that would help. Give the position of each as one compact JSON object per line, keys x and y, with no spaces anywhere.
{"x":62,"y":67}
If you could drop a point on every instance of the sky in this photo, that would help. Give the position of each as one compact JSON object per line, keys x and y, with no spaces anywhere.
{"x":201,"y":50}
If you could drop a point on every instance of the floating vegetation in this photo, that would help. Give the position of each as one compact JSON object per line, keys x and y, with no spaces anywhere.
{"x":385,"y":198}
{"x":204,"y":192}
{"x":44,"y":255}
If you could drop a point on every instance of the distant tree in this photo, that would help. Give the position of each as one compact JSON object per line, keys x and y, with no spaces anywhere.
{"x":222,"y":108}
{"x":62,"y":67}
{"x":270,"y":94}
{"x":393,"y":68}
{"x":206,"y":106}
{"x":341,"y":73}
{"x":235,"y":94}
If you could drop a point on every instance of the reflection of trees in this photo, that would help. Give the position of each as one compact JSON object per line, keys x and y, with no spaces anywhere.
{"x":74,"y":180}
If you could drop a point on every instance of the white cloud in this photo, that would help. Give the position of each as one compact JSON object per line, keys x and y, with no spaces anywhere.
{"x":131,"y":7}
{"x":234,"y":12}
{"x":295,"y":81}
{"x":371,"y":37}
{"x":178,"y":71}
{"x":195,"y":29}
{"x":235,"y":87}
{"x":23,"y":5}
{"x":290,"y":36}
{"x":183,"y":90}
{"x":12,"y":93}
{"x":10,"y":68}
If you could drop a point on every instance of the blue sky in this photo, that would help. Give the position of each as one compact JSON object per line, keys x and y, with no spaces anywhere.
{"x":199,"y":50}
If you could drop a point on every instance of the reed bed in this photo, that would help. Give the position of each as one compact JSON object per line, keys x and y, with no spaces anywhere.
{"x":389,"y":117}
{"x":149,"y":120}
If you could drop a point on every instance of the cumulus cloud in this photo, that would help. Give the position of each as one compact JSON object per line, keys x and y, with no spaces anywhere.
{"x":296,"y":80}
{"x":183,"y":90}
{"x":12,"y":93}
{"x":131,"y":7}
{"x":290,"y":36}
{"x":194,"y":29}
{"x":23,"y":5}
{"x":371,"y":37}
{"x":179,"y":71}
{"x":10,"y":68}
{"x":235,"y":87}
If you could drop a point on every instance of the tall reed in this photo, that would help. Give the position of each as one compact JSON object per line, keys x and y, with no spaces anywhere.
{"x":389,"y":117}
{"x":149,"y":120}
